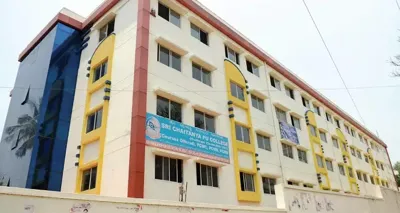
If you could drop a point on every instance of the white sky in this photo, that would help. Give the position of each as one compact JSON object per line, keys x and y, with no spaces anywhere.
{"x":361,"y":34}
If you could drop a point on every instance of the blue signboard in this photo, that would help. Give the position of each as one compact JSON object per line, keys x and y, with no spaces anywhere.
{"x":172,"y":135}
{"x":288,"y":132}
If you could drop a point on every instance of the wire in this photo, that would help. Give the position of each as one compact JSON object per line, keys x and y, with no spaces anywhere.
{"x":397,"y":3}
{"x":333,"y":60}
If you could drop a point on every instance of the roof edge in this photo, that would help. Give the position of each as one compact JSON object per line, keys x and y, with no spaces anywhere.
{"x":69,"y":21}
{"x":253,"y":49}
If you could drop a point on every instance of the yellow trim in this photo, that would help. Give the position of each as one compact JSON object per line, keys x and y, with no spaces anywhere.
{"x":233,"y":74}
{"x":316,"y":140}
{"x":104,"y":52}
{"x":352,"y":180}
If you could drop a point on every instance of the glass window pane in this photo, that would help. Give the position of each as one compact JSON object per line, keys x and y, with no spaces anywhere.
{"x":176,"y":61}
{"x":93,"y":178}
{"x":175,"y":18}
{"x":246,"y":135}
{"x":215,"y":176}
{"x":260,"y":142}
{"x":204,"y":37}
{"x":238,"y":130}
{"x":198,"y":175}
{"x":158,"y":167}
{"x":199,"y":119}
{"x":99,"y":117}
{"x":85,"y":180}
{"x":195,"y":31}
{"x":203,"y":174}
{"x":196,"y":72}
{"x":209,"y":176}
{"x":210,"y":123}
{"x":176,"y":113}
{"x":163,"y":55}
{"x":103,"y":33}
{"x":207,"y":77}
{"x":90,"y":123}
{"x":173,"y":170}
{"x":162,"y":107}
{"x":240,"y":93}
{"x":254,"y":102}
{"x":261,"y":105}
{"x":180,"y":175}
{"x":163,"y":11}
{"x":233,"y":89}
{"x":166,"y":168}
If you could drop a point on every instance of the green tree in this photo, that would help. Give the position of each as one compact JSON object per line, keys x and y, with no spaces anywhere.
{"x":25,"y":130}
{"x":396,"y":167}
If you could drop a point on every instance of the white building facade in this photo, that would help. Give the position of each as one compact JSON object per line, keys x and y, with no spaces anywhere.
{"x":171,"y":99}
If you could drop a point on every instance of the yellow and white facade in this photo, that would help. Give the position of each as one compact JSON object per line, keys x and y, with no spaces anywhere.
{"x":136,"y":79}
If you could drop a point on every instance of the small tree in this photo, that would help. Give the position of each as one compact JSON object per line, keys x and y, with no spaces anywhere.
{"x":397,"y":168}
{"x":396,"y":62}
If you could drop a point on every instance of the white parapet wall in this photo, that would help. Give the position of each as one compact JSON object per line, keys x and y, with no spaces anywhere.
{"x":303,"y":200}
{"x":16,"y":200}
{"x":293,"y":199}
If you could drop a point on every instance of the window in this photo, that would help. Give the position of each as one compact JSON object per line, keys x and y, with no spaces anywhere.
{"x":232,"y":55}
{"x":269,"y":185}
{"x":89,"y":179}
{"x":377,"y":164}
{"x":201,"y":74}
{"x":306,"y":102}
{"x":169,"y":109}
{"x":204,"y":121}
{"x":287,"y":150}
{"x":295,"y":122}
{"x":289,"y":92}
{"x":372,"y":180}
{"x":281,"y":115}
{"x":341,"y":170}
{"x":365,"y":177}
{"x":359,"y":154}
{"x":257,"y":103}
{"x":168,"y":169}
{"x":322,"y":135}
{"x":99,"y":71}
{"x":320,"y":162}
{"x":313,"y":131}
{"x":169,"y":15}
{"x":275,"y":83}
{"x":106,"y":30}
{"x":337,"y":123}
{"x":302,"y":155}
{"x":237,"y":91}
{"x":242,"y":133}
{"x":317,"y":110}
{"x":246,"y":182}
{"x":361,"y":138}
{"x":359,"y":177}
{"x":350,"y":170}
{"x":206,"y":175}
{"x":329,"y":165}
{"x":198,"y":33}
{"x":328,"y":117}
{"x":292,"y":183}
{"x":347,"y":129}
{"x":353,"y":133}
{"x":94,"y":120}
{"x":252,"y":68}
{"x":335,"y":143}
{"x":169,"y":58}
{"x":264,"y":142}
{"x":353,"y":152}
{"x":382,"y":167}
{"x":344,"y":145}
{"x":366,"y":158}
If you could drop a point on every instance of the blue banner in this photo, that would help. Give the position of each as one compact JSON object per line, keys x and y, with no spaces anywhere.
{"x":172,"y":135}
{"x":288,"y":132}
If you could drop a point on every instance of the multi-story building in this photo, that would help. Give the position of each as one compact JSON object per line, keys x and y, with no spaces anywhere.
{"x":170,"y":98}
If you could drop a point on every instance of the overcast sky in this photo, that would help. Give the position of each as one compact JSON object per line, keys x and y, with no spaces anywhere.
{"x":361,"y":34}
